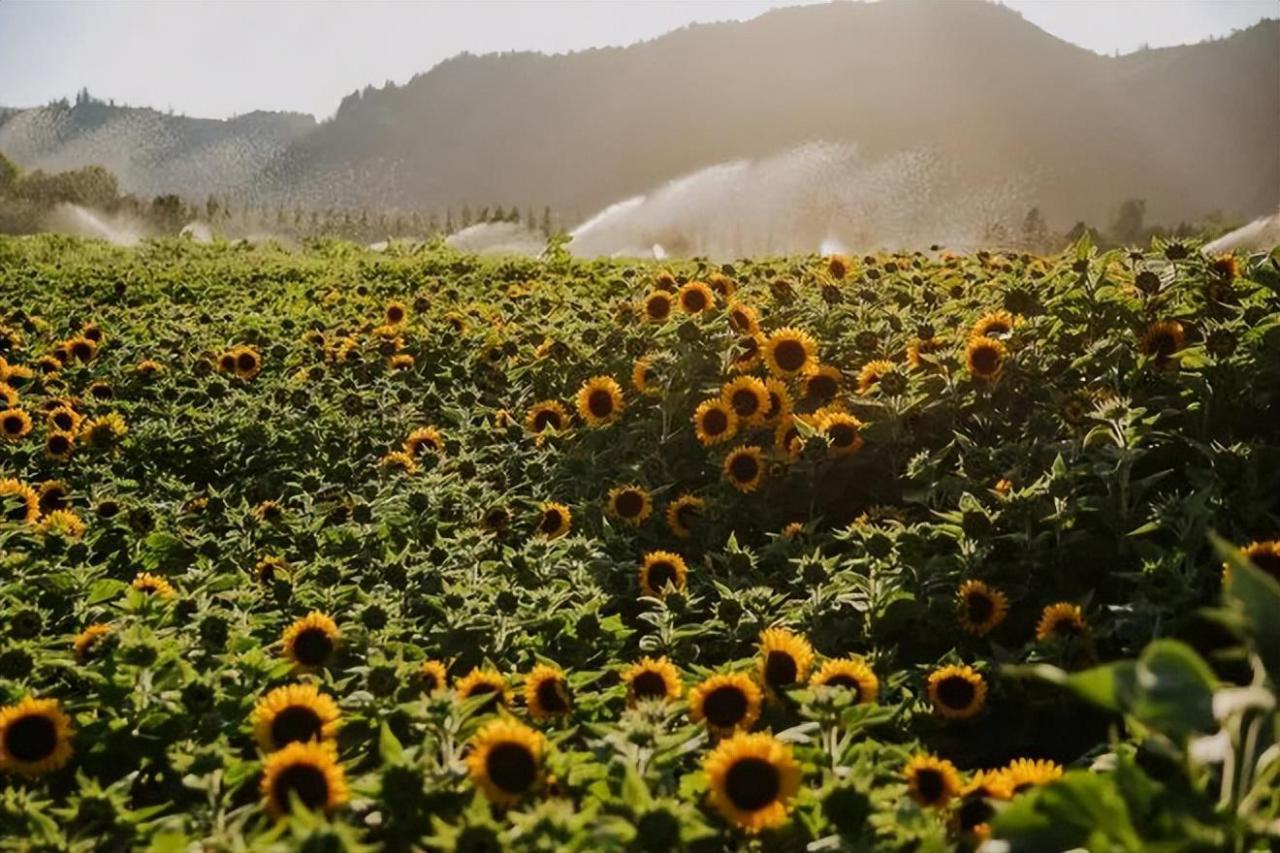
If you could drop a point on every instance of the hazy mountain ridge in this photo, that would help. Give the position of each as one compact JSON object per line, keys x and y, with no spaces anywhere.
{"x":1191,"y":129}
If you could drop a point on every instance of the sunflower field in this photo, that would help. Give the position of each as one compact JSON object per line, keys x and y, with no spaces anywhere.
{"x":417,"y":550}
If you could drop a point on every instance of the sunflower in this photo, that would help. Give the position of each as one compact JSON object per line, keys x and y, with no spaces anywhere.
{"x":19,"y":502}
{"x":793,"y":530}
{"x":1162,"y":340}
{"x":505,"y":760}
{"x":88,"y":641}
{"x":54,"y":494}
{"x":823,"y":384}
{"x":790,"y":352}
{"x":838,"y":266}
{"x":1025,"y":773}
{"x":398,"y":461}
{"x":400,"y":361}
{"x":714,"y":421}
{"x":433,"y":676}
{"x":723,"y":286}
{"x":547,"y":414}
{"x":981,"y":607}
{"x":849,"y":673}
{"x":695,"y":297}
{"x":659,"y":569}
{"x":35,"y":737}
{"x":483,"y":682}
{"x":1264,"y":555}
{"x":269,"y":511}
{"x":63,"y":522}
{"x":554,"y":520}
{"x":270,"y":568}
{"x":975,"y":812}
{"x":787,"y":437}
{"x":294,"y":713}
{"x":8,"y":395}
{"x":227,"y":362}
{"x":630,"y":504}
{"x":746,"y":353}
{"x":657,"y":306}
{"x":726,"y":703}
{"x":92,"y":331}
{"x":684,"y":515}
{"x":785,"y":658}
{"x":149,"y":368}
{"x":311,"y":641}
{"x":546,"y":693}
{"x":931,"y":781}
{"x":600,"y":401}
{"x":918,"y":353}
{"x":1062,"y":619}
{"x":997,"y":324}
{"x":748,"y":397}
{"x":871,"y":374}
{"x":103,"y":432}
{"x":652,"y":678}
{"x":82,"y":349}
{"x":643,"y":377}
{"x":743,"y":319}
{"x":150,"y":584}
{"x":248,"y":362}
{"x":985,"y":358}
{"x":752,"y":779}
{"x":842,"y":433}
{"x":15,"y":424}
{"x":744,"y":468}
{"x":957,"y":692}
{"x":395,"y":313}
{"x":780,"y":402}
{"x":424,"y":438}
{"x":306,"y":772}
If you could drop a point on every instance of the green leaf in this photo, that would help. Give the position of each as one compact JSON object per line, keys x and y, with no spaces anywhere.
{"x":1174,"y":689}
{"x":389,"y":747}
{"x":1080,"y":810}
{"x":634,"y":791}
{"x":1255,"y":593}
{"x":104,"y":590}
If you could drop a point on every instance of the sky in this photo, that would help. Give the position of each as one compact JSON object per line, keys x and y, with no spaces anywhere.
{"x":223,"y":58}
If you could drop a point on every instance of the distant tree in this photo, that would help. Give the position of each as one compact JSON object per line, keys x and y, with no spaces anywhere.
{"x":1077,"y":231}
{"x":464,"y":218}
{"x":499,"y":215}
{"x":514,"y":215}
{"x":1127,"y":227}
{"x":484,"y":214}
{"x":1035,"y":234}
{"x":8,"y":174}
{"x":530,"y":221}
{"x":546,"y":221}
{"x":166,"y":213}
{"x":211,"y":208}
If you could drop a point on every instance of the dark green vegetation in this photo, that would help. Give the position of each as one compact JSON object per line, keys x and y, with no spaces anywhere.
{"x":1062,"y":435}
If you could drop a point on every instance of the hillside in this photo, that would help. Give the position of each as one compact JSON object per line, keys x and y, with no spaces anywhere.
{"x":151,"y":152}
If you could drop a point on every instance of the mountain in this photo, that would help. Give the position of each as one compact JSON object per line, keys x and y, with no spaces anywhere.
{"x":149,"y":151}
{"x":1191,"y":129}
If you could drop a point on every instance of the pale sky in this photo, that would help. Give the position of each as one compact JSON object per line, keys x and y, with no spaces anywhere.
{"x":222,"y":58}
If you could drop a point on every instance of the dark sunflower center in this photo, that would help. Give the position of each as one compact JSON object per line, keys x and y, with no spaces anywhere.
{"x":955,"y":692}
{"x":658,"y":308}
{"x":1268,"y":561}
{"x":846,"y":681}
{"x":394,"y":315}
{"x":1162,"y":344}
{"x":822,"y":387}
{"x":715,"y":422}
{"x":974,"y":812}
{"x":790,"y":355}
{"x":741,"y":320}
{"x":511,"y":767}
{"x":15,"y":509}
{"x":551,"y":696}
{"x":752,"y":783}
{"x":1066,"y":626}
{"x":63,"y":421}
{"x":695,"y":300}
{"x":930,"y":785}
{"x":312,"y":647}
{"x":546,"y":418}
{"x":246,"y":361}
{"x":780,"y":668}
{"x":304,"y":781}
{"x":13,"y":424}
{"x":661,"y":574}
{"x":985,"y":360}
{"x":744,"y":468}
{"x":295,"y":723}
{"x":228,"y":362}
{"x":484,"y":688}
{"x":31,"y":738}
{"x":629,"y":504}
{"x":551,"y":521}
{"x":995,"y":327}
{"x":842,"y":435}
{"x":58,"y":444}
{"x":648,"y":685}
{"x":745,"y":402}
{"x":747,"y":348}
{"x":54,"y":498}
{"x":687,"y":516}
{"x":775,"y":405}
{"x":600,"y":403}
{"x":81,"y":351}
{"x":725,"y":706}
{"x":981,"y":607}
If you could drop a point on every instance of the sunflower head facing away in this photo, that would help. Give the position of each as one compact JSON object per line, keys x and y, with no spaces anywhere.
{"x":310,"y":642}
{"x":505,"y":760}
{"x":35,"y":737}
{"x":726,"y":703}
{"x":652,"y":678}
{"x":850,"y":674}
{"x":981,"y":607}
{"x":291,"y":714}
{"x":546,"y":693}
{"x":600,"y":401}
{"x":957,"y":692}
{"x":785,"y":658}
{"x":752,"y":779}
{"x":931,"y":781}
{"x":660,"y":570}
{"x":307,"y":774}
{"x":630,"y":504}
